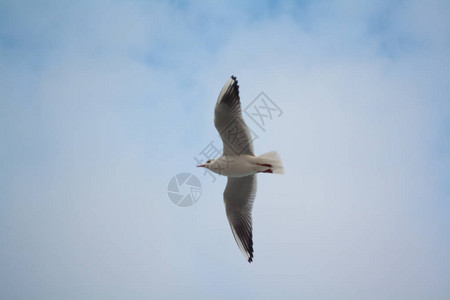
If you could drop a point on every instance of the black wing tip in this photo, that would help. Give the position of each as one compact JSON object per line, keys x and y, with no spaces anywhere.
{"x":243,"y":235}
{"x":235,"y":82}
{"x":250,"y":258}
{"x":250,"y":250}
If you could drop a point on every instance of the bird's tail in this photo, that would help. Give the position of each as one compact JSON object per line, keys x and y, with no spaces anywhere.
{"x":271,"y":160}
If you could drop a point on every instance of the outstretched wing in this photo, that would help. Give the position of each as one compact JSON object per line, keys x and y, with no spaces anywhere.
{"x":236,"y":136}
{"x":239,"y":196}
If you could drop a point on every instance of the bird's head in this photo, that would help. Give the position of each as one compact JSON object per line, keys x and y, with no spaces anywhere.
{"x":208,"y":164}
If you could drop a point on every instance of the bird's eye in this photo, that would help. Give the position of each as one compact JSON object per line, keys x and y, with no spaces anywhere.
{"x":208,"y":161}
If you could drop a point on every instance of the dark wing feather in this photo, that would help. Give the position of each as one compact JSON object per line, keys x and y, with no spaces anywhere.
{"x":236,"y":136}
{"x":239,"y":196}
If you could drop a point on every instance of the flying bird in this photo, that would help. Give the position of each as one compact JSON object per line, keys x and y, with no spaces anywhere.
{"x":239,"y":163}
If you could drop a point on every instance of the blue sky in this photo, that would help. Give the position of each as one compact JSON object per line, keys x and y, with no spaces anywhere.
{"x":103,"y":102}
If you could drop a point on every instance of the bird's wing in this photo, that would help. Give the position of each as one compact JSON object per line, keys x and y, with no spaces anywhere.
{"x":239,"y":196}
{"x":236,"y":136}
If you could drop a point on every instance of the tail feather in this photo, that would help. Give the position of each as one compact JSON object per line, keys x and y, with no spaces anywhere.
{"x":273,"y":159}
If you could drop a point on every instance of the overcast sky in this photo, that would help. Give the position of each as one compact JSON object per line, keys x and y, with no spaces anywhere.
{"x":103,"y":102}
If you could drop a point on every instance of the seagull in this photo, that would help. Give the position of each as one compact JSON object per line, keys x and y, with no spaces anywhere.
{"x":239,"y":163}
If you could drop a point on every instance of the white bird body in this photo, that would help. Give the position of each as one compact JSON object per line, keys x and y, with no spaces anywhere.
{"x":234,"y":165}
{"x":243,"y":165}
{"x":240,"y":164}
